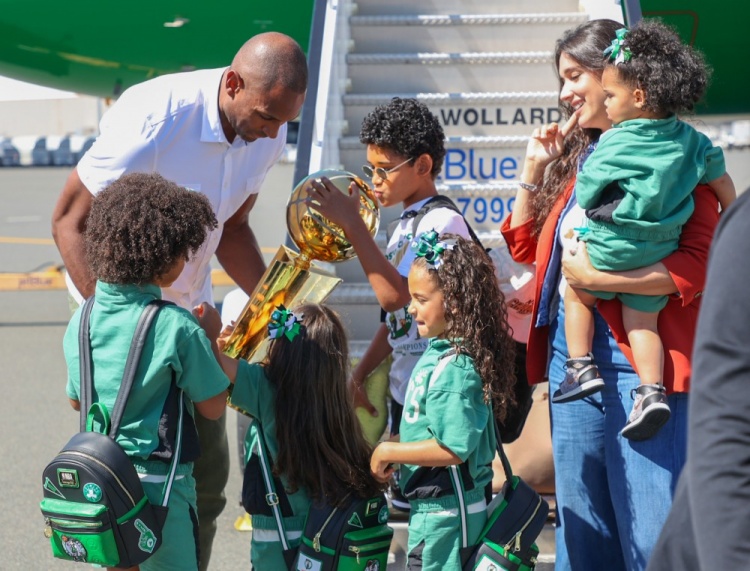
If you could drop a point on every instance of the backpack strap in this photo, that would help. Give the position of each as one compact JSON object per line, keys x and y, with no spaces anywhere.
{"x":272,"y":498}
{"x":455,"y":474}
{"x":442,"y":201}
{"x":84,"y":361}
{"x":131,"y":366}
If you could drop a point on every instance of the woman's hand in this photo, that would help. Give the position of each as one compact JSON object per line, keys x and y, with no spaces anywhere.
{"x":649,"y":280}
{"x":577,"y":268}
{"x":547,"y":143}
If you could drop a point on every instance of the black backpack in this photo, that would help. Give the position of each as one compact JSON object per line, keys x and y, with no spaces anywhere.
{"x":94,"y":506}
{"x":515,"y":418}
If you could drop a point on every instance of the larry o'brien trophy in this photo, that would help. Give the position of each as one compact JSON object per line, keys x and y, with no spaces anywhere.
{"x":292,"y":278}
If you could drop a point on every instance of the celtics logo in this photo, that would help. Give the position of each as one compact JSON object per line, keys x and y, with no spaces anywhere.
{"x":383,"y":515}
{"x":399,"y":323}
{"x":373,"y":565}
{"x":73,"y":548}
{"x":92,"y":492}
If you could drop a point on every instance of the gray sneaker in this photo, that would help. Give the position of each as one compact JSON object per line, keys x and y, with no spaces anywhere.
{"x":650,"y":412}
{"x":582,"y":379}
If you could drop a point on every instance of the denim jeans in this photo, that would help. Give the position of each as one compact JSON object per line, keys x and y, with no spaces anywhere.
{"x":613,"y":495}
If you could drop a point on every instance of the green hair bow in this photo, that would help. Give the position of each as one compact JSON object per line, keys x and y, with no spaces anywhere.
{"x":617,"y":52}
{"x":284,"y":323}
{"x":430,"y":248}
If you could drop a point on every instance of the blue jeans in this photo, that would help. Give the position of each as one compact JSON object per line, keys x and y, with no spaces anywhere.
{"x":613,"y":495}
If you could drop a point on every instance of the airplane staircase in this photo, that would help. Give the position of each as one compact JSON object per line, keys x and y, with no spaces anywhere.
{"x":484,"y":67}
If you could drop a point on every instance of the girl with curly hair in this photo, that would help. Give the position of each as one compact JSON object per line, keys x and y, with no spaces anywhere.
{"x":449,"y":412}
{"x":298,"y":395}
{"x":637,"y":191}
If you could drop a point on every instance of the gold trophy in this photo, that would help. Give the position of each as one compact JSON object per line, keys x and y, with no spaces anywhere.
{"x":292,"y":278}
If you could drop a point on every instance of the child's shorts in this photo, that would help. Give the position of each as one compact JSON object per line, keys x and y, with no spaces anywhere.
{"x":266,"y":551}
{"x":434,"y":530}
{"x":645,"y":303}
{"x":179,"y":549}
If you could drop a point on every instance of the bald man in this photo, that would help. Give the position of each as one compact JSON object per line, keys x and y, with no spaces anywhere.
{"x":217,"y":132}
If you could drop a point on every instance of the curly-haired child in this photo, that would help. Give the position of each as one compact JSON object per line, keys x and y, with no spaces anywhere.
{"x":636,"y":189}
{"x":448,"y":417}
{"x":299,"y":396}
{"x":141,"y":231}
{"x":405,"y":153}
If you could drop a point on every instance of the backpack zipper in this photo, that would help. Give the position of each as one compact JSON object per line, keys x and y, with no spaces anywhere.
{"x":71,"y":523}
{"x":107,"y":468}
{"x":516,"y":539}
{"x":316,"y":539}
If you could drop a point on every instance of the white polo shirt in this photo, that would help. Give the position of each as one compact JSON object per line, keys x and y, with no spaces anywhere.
{"x":170,"y":125}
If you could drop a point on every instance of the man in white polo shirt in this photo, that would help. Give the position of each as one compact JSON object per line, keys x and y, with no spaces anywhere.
{"x":217,"y":132}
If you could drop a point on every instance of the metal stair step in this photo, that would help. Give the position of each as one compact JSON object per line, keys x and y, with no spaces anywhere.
{"x":463,"y":6}
{"x":487,"y":113}
{"x":459,"y":32}
{"x":469,"y":71}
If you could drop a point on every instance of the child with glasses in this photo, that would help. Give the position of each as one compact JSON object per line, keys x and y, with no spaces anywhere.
{"x":405,"y":151}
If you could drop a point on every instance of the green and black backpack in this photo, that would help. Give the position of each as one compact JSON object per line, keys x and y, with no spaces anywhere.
{"x":351,"y":537}
{"x":94,"y":506}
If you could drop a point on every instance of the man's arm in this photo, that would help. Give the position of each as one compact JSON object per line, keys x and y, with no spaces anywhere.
{"x":68,"y":223}
{"x":238,"y":251}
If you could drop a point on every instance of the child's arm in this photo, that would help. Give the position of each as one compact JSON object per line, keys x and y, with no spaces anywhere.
{"x":76,"y":404}
{"x":210,"y":320}
{"x":420,"y":453}
{"x":724,"y":189}
{"x":378,"y":350}
{"x":213,"y":408}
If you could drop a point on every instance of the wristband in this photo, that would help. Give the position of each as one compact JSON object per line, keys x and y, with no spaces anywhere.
{"x":529,"y":187}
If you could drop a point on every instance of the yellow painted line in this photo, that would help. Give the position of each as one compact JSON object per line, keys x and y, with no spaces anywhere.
{"x":36,"y":241}
{"x":51,"y":242}
{"x":53,"y":278}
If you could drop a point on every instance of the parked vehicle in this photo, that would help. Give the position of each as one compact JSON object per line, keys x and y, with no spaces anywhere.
{"x":9,"y":155}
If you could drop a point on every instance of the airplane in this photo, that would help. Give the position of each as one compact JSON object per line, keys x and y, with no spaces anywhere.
{"x":102,"y":48}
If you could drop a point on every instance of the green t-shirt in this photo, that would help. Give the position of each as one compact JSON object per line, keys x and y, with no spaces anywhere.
{"x":451,"y":409}
{"x":176,"y":346}
{"x":256,"y":395}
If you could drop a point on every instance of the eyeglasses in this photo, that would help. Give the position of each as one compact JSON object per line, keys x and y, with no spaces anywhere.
{"x":381,"y":172}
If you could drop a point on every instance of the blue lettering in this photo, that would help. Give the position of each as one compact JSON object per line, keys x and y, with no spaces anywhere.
{"x":455,"y":169}
{"x":491,"y":174}
{"x":508,"y":168}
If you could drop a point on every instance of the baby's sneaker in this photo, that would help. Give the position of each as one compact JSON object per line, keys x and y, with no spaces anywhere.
{"x":582,"y":379}
{"x":650,"y":412}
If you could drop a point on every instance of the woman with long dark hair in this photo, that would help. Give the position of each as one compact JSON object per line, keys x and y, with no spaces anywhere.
{"x":613,"y":494}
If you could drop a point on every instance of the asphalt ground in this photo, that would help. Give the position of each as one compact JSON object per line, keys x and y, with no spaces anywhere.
{"x":35,"y":417}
